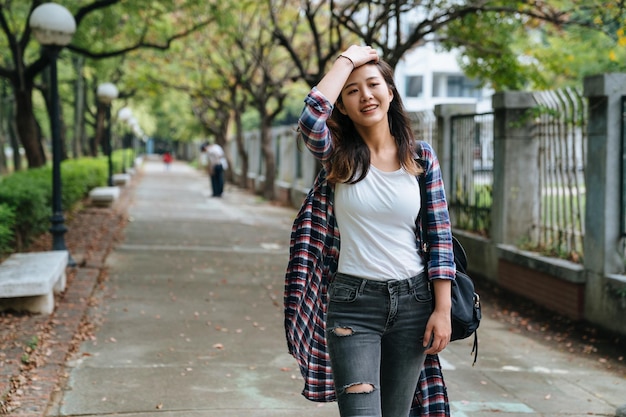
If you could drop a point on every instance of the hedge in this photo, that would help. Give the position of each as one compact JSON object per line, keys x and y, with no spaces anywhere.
{"x":7,"y":214}
{"x":26,"y":197}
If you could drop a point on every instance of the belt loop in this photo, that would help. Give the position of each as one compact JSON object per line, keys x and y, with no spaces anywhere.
{"x":362,"y":286}
{"x":413,"y":281}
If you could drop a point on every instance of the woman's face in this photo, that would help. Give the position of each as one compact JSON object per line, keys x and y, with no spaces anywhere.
{"x":365,"y":97}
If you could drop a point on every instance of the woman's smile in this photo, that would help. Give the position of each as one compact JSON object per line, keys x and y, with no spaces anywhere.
{"x":369,"y":108}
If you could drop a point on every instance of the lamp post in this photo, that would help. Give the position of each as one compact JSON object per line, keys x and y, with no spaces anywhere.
{"x":53,"y":26}
{"x":106,"y":93}
{"x":124,"y":115}
{"x":133,"y":123}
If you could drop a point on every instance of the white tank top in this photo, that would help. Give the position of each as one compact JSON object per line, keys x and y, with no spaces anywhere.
{"x":376,"y":219}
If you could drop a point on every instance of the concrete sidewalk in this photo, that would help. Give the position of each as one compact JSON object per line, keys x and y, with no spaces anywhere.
{"x":191,"y":325}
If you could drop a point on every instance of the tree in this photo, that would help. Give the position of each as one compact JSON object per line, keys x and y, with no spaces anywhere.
{"x":309,"y":34}
{"x":266,"y":85}
{"x":212,"y":77}
{"x":532,"y":53}
{"x":247,"y":69}
{"x":229,"y":101}
{"x":483,"y":29}
{"x":144,"y":24}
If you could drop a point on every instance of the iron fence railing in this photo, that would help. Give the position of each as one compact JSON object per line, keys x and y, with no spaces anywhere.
{"x":424,"y":125}
{"x":470,"y":196}
{"x":560,"y":127}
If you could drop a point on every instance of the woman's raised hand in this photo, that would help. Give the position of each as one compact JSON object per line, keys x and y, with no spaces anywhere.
{"x":360,"y":55}
{"x":331,"y":84}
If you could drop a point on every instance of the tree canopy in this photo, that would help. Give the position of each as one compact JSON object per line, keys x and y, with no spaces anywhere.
{"x":195,"y":68}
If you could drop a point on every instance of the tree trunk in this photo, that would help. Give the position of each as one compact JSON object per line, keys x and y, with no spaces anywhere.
{"x":222,"y":139}
{"x":4,"y":168}
{"x":241,"y":150}
{"x":99,"y":134}
{"x":15,"y":144}
{"x":26,"y":124}
{"x":5,"y":102}
{"x":270,"y":160}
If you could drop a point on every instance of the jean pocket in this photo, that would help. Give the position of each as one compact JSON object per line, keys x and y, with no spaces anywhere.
{"x":342,"y":293}
{"x":422,"y":293}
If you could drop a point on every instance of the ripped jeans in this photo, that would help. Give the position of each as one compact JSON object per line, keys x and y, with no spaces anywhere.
{"x":375,"y":332}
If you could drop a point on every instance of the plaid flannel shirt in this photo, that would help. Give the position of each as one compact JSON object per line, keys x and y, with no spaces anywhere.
{"x":313,"y":259}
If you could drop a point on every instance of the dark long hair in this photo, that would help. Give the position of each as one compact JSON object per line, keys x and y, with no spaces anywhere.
{"x":350,"y":161}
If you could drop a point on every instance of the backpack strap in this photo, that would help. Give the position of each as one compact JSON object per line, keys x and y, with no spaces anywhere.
{"x":422,"y":216}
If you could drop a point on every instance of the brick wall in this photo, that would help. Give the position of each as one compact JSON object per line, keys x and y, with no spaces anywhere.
{"x":553,"y":293}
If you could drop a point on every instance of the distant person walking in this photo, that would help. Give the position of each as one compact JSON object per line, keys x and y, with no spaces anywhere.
{"x":217,"y":165}
{"x":167,"y":160}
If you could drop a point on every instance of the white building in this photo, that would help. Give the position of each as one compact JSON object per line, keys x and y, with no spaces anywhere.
{"x":426,"y":77}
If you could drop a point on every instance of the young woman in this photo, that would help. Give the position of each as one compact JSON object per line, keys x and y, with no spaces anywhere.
{"x":365,"y":314}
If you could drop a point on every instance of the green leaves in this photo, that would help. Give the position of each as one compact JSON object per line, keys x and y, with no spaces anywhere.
{"x":209,"y":57}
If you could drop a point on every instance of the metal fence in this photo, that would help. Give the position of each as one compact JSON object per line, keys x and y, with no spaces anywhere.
{"x":424,"y":125}
{"x":560,"y":126}
{"x":559,"y":120}
{"x":471,"y":189}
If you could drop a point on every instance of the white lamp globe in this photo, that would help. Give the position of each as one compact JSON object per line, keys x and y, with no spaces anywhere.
{"x":107,"y":92}
{"x":125,"y":114}
{"x":52,"y":24}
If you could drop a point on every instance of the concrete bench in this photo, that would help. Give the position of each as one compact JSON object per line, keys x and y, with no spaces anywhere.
{"x":104,"y":196}
{"x":121,"y":179}
{"x":28,"y":281}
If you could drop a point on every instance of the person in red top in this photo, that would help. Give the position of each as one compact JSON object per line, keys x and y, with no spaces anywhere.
{"x":167,"y":159}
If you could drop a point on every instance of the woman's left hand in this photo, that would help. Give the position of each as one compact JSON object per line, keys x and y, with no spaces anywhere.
{"x":438,"y":332}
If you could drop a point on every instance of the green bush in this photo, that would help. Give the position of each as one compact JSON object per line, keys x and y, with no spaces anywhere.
{"x":122,"y":159}
{"x":79,"y":176}
{"x":28,"y":198}
{"x":6,"y":228}
{"x":28,"y":195}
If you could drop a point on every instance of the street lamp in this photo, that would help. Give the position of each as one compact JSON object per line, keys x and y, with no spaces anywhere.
{"x":53,"y":26}
{"x":124,"y":115}
{"x":106,"y":93}
{"x":136,"y":133}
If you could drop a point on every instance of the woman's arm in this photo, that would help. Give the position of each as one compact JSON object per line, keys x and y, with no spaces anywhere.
{"x":441,"y":268}
{"x":439,"y":230}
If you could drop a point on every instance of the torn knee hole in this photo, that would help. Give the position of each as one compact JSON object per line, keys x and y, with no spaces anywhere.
{"x":360,"y":388}
{"x":343,"y":331}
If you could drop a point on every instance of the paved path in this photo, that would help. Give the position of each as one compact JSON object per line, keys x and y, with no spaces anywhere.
{"x":191,"y":325}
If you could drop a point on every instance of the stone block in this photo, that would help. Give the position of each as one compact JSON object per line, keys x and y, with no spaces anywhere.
{"x":28,"y":281}
{"x":121,"y":179}
{"x":104,"y":196}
